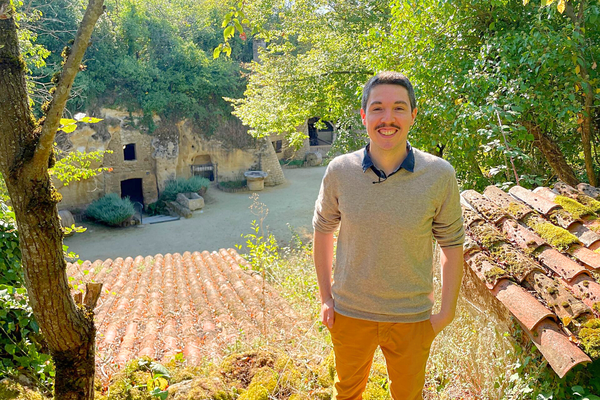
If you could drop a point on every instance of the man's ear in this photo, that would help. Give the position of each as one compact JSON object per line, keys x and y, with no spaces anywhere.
{"x":363,"y":116}
{"x":414,"y":114}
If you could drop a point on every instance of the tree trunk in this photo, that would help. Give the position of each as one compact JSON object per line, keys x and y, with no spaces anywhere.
{"x":68,"y":328}
{"x":586,"y":131}
{"x":588,"y":92}
{"x":553,"y":154}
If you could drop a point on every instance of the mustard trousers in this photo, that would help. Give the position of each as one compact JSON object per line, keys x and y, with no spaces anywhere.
{"x":405,"y":347}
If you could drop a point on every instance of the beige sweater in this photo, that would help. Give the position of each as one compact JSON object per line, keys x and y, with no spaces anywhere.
{"x":384,"y":257}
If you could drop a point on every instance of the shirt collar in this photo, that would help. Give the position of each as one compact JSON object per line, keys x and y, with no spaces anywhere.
{"x":408,"y":163}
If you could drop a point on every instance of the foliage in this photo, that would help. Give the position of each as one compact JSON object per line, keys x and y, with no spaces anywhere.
{"x":111,"y":209}
{"x":173,"y":188}
{"x":183,"y":185}
{"x":239,"y":184}
{"x":153,"y":56}
{"x":76,"y":166}
{"x":489,"y":76}
{"x":21,"y":348}
{"x":142,"y":378}
{"x":261,"y":244}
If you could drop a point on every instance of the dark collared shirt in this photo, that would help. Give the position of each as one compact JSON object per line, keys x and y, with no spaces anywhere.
{"x":408,"y":163}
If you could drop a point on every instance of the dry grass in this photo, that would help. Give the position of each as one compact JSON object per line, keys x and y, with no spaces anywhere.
{"x":472,"y":358}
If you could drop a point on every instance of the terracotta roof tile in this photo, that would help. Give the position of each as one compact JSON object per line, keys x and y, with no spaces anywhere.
{"x":551,"y":294}
{"x":526,"y":308}
{"x":589,"y":190}
{"x":196,"y":304}
{"x":561,"y":353}
{"x":535,"y":201}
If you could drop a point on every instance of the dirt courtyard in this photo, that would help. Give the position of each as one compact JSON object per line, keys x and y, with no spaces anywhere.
{"x":224,"y":218}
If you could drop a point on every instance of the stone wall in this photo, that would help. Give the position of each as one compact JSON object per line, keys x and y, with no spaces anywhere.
{"x":167,"y":153}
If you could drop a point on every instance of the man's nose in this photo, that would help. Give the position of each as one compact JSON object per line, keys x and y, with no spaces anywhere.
{"x":387,"y":116}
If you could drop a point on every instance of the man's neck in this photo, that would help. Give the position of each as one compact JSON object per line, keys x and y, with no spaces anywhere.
{"x":388,"y":161}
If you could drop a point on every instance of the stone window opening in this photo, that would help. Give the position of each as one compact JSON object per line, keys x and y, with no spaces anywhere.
{"x":129,"y":152}
{"x":278,"y":145}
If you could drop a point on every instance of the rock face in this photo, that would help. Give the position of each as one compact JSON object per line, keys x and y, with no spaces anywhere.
{"x":141,"y":163}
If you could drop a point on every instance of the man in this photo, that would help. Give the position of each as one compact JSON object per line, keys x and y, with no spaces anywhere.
{"x":389,"y":200}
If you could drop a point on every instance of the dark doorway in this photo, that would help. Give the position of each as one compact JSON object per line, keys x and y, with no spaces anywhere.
{"x":133,"y":189}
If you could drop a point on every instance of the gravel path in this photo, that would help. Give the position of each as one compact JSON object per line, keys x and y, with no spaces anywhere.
{"x":224,"y":218}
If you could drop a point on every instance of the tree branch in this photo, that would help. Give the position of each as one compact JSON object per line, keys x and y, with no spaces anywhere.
{"x":94,"y":9}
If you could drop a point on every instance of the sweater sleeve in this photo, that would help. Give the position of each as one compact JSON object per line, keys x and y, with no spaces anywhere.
{"x":326,"y":218}
{"x":448,"y":227}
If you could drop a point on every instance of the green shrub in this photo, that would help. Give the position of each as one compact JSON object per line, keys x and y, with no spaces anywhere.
{"x":233,"y":184}
{"x":111,"y":209}
{"x":182,"y":185}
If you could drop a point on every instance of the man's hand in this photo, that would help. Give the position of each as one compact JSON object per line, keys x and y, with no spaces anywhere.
{"x":327,"y":316}
{"x":439,"y":321}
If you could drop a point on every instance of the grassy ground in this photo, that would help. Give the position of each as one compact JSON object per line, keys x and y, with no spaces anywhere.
{"x":471,"y":359}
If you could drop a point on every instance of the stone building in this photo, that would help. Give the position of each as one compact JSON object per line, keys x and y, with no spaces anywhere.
{"x":141,"y":163}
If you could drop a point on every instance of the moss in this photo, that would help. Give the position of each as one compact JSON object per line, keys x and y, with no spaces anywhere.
{"x":493,"y":274}
{"x":184,"y":373}
{"x":242,"y":366}
{"x":487,"y":236}
{"x":375,"y":392}
{"x":590,"y":202}
{"x":551,"y":290}
{"x":208,"y":388}
{"x":256,"y":392}
{"x":290,"y":378}
{"x":566,"y":304}
{"x":596,"y":307}
{"x":586,"y":283}
{"x":576,"y":209}
{"x":556,"y":236}
{"x":590,"y":338}
{"x":326,"y":372}
{"x":9,"y":390}
{"x":267,"y":378}
{"x":299,"y":396}
{"x":517,"y":210}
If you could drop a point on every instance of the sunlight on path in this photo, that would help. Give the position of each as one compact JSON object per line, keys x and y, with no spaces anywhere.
{"x":224,"y":218}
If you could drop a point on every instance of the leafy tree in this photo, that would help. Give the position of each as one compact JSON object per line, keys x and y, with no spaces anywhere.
{"x":25,"y":154}
{"x":504,"y":89}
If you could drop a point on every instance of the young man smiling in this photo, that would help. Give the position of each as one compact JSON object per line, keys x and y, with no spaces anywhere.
{"x":389,"y":201}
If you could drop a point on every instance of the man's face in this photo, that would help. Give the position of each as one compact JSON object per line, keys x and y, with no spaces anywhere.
{"x":388,"y":117}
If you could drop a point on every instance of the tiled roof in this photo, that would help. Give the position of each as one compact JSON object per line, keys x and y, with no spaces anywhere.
{"x":535,"y":252}
{"x":196,"y":304}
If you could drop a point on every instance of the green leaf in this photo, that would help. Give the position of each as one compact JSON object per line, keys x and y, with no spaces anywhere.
{"x":238,"y":26}
{"x":10,"y":348}
{"x":158,"y":368}
{"x":66,"y":121}
{"x":228,"y":32}
{"x":91,"y":120}
{"x":217,"y":52}
{"x":68,"y":128}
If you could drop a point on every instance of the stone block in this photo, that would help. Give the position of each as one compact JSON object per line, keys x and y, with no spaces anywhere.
{"x":176,"y":209}
{"x":191,"y":200}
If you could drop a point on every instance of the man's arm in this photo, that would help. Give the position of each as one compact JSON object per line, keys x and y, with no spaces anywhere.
{"x":452,"y":272}
{"x":323,"y":259}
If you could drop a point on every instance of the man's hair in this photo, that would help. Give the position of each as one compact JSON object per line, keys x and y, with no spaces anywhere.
{"x":389,"y":78}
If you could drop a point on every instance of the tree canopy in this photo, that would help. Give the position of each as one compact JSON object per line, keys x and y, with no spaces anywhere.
{"x":498,"y":82}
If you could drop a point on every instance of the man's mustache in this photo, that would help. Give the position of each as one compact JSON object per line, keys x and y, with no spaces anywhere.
{"x":388,"y":126}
